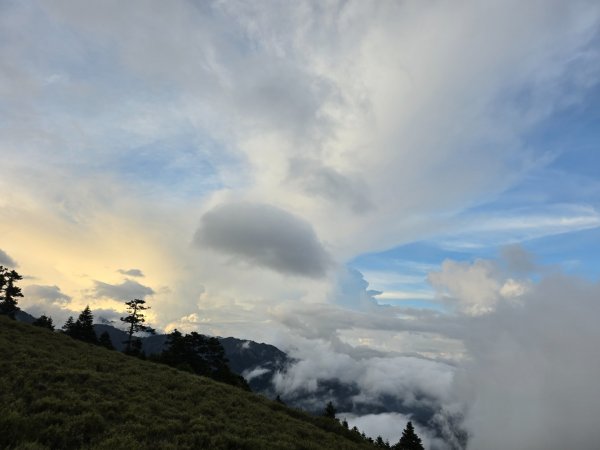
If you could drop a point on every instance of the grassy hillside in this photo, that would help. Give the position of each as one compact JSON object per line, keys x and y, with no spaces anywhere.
{"x":56,"y":392}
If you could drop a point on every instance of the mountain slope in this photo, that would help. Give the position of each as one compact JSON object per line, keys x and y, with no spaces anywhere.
{"x":56,"y":392}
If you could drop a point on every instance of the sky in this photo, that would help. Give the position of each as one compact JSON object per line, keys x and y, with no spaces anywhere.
{"x":405,"y":194}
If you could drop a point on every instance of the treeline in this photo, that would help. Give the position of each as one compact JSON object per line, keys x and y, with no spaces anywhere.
{"x":193,"y":352}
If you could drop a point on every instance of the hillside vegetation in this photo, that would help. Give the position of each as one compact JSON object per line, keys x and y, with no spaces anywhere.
{"x":56,"y":392}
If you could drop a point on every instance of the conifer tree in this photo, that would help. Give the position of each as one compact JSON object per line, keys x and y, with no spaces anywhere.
{"x":329,"y":411}
{"x":44,"y":322}
{"x":69,"y":326}
{"x":135,"y":319}
{"x":105,"y":341}
{"x":201,"y":355}
{"x":83,"y":328}
{"x":409,"y":439}
{"x":9,"y":292}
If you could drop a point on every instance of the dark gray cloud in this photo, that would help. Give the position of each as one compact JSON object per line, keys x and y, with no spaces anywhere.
{"x":48,"y":294}
{"x":6,"y":260}
{"x":131,"y":272}
{"x":517,"y":259}
{"x":321,"y":181}
{"x":127,"y":290}
{"x":265,"y":236}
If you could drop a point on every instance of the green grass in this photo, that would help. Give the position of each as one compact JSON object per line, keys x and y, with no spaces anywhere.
{"x":59,"y":393}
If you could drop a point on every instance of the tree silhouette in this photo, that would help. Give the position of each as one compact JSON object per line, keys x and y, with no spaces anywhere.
{"x":201,"y":355}
{"x":9,"y":292}
{"x":69,"y":325}
{"x":409,"y":439}
{"x":104,"y":341}
{"x":83,"y":328}
{"x":329,"y":411}
{"x":380,"y":443}
{"x":136,"y":320}
{"x":44,"y":322}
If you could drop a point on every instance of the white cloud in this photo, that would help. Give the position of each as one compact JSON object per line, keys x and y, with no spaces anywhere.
{"x":376,"y":124}
{"x":475,"y":288}
{"x":256,"y":372}
{"x":502,"y":228}
{"x":406,"y":295}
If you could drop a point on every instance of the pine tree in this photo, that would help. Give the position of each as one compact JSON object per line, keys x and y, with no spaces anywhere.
{"x":136,"y":320}
{"x":9,"y":292}
{"x":409,"y":439}
{"x":83,"y":328}
{"x":69,"y":326}
{"x":329,"y":411}
{"x":105,"y":341}
{"x":380,"y":443}
{"x":44,"y":322}
{"x":201,"y":355}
